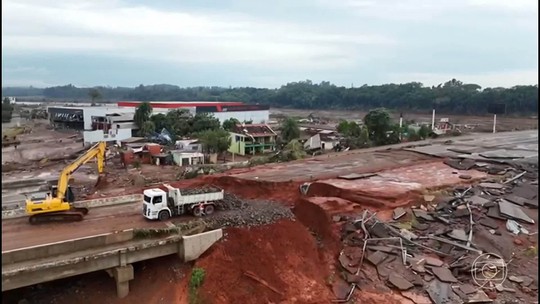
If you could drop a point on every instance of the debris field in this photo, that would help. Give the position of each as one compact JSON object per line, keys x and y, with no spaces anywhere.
{"x":392,"y":226}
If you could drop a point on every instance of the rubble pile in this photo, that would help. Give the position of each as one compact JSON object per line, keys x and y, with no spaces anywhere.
{"x":457,"y":247}
{"x":230,"y":202}
{"x":200,"y":190}
{"x":249,"y":214}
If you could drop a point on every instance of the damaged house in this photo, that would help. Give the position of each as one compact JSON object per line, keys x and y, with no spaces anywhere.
{"x":318,"y":139}
{"x":251,"y":139}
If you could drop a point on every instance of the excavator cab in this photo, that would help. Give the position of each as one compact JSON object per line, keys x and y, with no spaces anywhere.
{"x":69,"y":197}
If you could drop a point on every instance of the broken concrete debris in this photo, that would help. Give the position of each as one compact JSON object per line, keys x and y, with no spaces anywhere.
{"x":398,"y":213}
{"x":487,"y":222}
{"x":513,"y":211}
{"x":399,"y":282}
{"x":491,"y":186}
{"x":433,"y":251}
{"x":458,"y":234}
{"x":419,"y":213}
{"x":515,"y":227}
{"x":444,"y":274}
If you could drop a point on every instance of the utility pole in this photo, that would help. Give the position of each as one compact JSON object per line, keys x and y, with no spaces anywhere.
{"x":433,"y":120}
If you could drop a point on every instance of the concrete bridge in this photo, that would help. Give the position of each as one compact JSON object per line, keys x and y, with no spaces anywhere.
{"x":112,"y":252}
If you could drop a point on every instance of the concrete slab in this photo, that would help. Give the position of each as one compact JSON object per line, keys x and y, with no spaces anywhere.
{"x":117,"y":255}
{"x":434,"y":150}
{"x":510,"y":154}
{"x":195,"y":245}
{"x":57,"y":248}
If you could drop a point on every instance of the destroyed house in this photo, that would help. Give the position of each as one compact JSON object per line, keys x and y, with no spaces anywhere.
{"x":315,"y":139}
{"x":252,"y":139}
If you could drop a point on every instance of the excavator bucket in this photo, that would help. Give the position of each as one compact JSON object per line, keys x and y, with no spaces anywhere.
{"x":101,"y":181}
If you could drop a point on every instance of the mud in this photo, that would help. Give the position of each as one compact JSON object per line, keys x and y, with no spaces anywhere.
{"x":393,"y":188}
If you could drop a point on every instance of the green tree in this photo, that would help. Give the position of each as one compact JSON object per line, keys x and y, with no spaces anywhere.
{"x":142,"y":114}
{"x":293,"y":150}
{"x":160,"y":121}
{"x":343,"y":127}
{"x":147,"y":128}
{"x":204,"y":121}
{"x":354,"y":129}
{"x":7,"y":110}
{"x":94,"y":94}
{"x":178,"y":122}
{"x":230,"y":123}
{"x":424,"y":131}
{"x":451,"y":97}
{"x":359,"y":139}
{"x":290,"y":130}
{"x":379,"y":125}
{"x":215,"y":141}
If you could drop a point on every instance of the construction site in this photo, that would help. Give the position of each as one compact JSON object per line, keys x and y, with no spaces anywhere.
{"x":445,"y":220}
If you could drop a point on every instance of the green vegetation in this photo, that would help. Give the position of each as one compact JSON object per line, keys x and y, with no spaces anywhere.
{"x":450,"y":97}
{"x":196,"y":280}
{"x":532,"y":251}
{"x":142,"y":114}
{"x":381,"y":130}
{"x":355,"y":135}
{"x":290,"y":130}
{"x":15,"y":131}
{"x":94,"y":94}
{"x":147,"y":128}
{"x":180,"y":123}
{"x":230,"y":123}
{"x":7,"y":110}
{"x":151,"y":233}
{"x":215,"y":141}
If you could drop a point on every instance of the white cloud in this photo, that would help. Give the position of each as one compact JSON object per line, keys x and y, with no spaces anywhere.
{"x":176,"y":36}
{"x":486,"y":80}
{"x":423,"y":10}
{"x":268,"y":44}
{"x":529,"y":6}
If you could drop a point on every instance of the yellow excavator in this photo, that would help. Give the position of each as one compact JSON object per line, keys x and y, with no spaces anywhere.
{"x":57,"y":206}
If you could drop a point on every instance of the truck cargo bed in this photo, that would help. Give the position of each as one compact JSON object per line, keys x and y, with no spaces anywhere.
{"x":199,"y":190}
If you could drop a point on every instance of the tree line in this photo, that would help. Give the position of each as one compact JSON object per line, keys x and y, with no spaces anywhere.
{"x":452,"y":97}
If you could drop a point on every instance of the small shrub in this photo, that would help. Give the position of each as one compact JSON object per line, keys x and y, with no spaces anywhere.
{"x":197,"y":278}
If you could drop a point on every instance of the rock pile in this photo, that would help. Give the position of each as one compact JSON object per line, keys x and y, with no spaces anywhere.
{"x":248,"y":213}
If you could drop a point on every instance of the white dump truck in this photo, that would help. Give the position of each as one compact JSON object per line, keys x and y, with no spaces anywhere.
{"x":162,"y":205}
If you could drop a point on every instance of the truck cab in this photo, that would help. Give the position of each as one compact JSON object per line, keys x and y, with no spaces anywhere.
{"x":155,"y":204}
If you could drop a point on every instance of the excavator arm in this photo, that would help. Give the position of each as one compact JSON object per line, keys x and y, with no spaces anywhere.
{"x":55,"y":207}
{"x":97,"y":152}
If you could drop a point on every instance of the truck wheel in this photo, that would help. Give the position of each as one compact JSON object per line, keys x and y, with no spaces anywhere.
{"x":197,"y":211}
{"x":163,"y":215}
{"x":209,"y":209}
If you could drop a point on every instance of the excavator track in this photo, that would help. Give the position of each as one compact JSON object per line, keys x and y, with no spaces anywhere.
{"x":74,"y":215}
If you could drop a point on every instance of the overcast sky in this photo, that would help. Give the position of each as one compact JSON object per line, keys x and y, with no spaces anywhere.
{"x":268,"y":43}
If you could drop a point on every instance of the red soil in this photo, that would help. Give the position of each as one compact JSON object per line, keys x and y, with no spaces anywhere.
{"x":283,"y":254}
